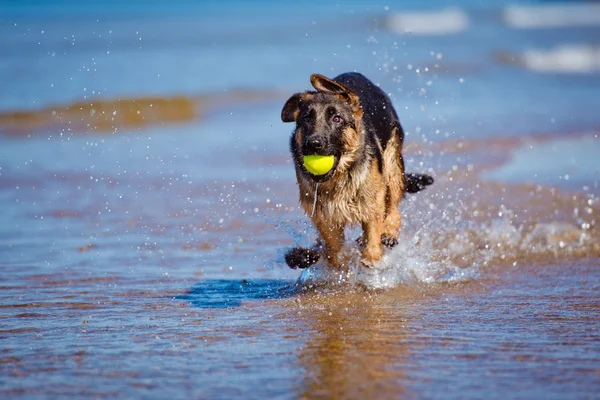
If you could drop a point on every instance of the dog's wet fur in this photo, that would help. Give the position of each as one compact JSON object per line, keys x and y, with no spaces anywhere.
{"x":352,"y":119}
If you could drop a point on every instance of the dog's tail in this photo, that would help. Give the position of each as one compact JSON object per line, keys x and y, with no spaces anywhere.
{"x":414,"y":183}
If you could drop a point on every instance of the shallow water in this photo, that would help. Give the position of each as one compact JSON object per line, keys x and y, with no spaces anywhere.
{"x":148,"y":262}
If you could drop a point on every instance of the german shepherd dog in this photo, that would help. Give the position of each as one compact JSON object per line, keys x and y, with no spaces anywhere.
{"x":353,"y":120}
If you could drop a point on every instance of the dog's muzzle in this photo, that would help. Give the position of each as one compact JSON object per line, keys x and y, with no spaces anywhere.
{"x":315,"y":145}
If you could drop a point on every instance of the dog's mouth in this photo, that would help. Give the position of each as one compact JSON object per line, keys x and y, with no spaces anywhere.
{"x":317,"y":175}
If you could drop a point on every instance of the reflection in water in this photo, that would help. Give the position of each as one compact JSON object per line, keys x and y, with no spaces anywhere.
{"x":354,"y":339}
{"x":358,"y":340}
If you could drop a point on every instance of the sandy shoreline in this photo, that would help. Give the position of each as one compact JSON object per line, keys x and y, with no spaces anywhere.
{"x":106,"y":116}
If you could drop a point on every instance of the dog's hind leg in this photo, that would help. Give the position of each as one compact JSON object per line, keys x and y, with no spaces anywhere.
{"x":393,"y":219}
{"x":394,"y":179}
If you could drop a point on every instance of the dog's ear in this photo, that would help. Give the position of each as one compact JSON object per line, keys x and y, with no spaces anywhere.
{"x":326,"y":85}
{"x":291,"y":108}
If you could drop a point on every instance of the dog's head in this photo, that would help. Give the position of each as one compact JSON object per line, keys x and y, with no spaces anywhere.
{"x":327,"y":123}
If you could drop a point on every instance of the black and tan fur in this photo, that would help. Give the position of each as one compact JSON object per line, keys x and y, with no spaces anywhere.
{"x":351,"y":118}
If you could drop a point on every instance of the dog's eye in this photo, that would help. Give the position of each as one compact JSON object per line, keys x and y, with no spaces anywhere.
{"x":307,"y":118}
{"x":337,"y":119}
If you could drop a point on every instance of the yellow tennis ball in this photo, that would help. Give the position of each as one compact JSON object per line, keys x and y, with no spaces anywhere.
{"x":318,"y":165}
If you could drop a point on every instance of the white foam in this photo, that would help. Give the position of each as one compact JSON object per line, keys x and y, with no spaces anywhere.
{"x":407,"y":263}
{"x":441,"y":22}
{"x":564,"y":59}
{"x":552,"y":16}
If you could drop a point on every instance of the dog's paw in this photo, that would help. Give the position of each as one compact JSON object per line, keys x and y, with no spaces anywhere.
{"x":300,"y":257}
{"x":414,"y":183}
{"x":386,"y":240}
{"x":389,"y":241}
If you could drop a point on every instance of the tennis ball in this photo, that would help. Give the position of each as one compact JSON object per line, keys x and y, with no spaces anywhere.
{"x":318,"y":165}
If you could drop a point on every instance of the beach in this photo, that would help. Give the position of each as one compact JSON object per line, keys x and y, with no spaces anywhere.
{"x":148,"y":197}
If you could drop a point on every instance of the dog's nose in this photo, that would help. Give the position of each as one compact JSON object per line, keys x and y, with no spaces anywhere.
{"x":314,"y":145}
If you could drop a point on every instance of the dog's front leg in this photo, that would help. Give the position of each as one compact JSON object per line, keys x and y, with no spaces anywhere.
{"x":372,"y":251}
{"x":333,"y":238}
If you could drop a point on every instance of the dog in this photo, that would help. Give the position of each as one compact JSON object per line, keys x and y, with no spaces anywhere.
{"x":350,"y":118}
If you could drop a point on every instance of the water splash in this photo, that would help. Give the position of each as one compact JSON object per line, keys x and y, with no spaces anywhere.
{"x":448,"y":253}
{"x":407,"y":263}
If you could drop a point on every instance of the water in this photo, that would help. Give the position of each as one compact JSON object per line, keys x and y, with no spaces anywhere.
{"x":142,"y":239}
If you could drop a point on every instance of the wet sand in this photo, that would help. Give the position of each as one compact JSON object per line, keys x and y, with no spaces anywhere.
{"x":531,"y":331}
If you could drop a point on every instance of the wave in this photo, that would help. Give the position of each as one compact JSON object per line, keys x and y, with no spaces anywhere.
{"x":427,"y":23}
{"x":564,"y":59}
{"x":552,"y":15}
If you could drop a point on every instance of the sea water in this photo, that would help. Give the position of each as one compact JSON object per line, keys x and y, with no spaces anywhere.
{"x":144,"y":258}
